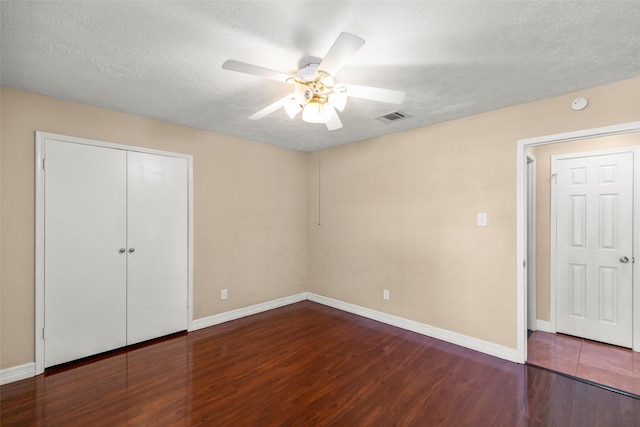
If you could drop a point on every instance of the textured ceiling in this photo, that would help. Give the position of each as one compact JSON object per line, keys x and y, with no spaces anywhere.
{"x":163,"y":59}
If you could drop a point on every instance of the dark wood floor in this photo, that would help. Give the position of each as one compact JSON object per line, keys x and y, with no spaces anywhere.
{"x":307,"y":365}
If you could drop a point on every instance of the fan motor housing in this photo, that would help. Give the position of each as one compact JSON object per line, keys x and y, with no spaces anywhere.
{"x":310,"y":85}
{"x":308,"y":73}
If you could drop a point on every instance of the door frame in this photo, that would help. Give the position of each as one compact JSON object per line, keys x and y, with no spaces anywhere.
{"x":531,"y":243}
{"x":40,"y":138}
{"x":521,"y":241}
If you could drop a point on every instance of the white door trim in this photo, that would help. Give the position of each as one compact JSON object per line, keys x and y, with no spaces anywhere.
{"x":530,"y":264}
{"x":40,"y":138}
{"x":521,"y":194}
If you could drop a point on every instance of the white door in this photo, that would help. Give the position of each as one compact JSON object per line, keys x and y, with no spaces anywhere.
{"x":594,"y":202}
{"x":85,"y":262}
{"x":157,"y":237}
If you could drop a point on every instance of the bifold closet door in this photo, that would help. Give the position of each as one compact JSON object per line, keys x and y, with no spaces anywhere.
{"x":85,"y":262}
{"x":157,"y":236}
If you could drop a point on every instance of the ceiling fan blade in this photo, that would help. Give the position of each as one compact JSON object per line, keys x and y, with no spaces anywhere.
{"x":342,"y":50}
{"x":255,"y":70}
{"x":376,"y":94}
{"x":334,"y":121}
{"x":269,"y":109}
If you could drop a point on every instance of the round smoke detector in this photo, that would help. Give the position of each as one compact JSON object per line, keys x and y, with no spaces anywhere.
{"x":579,"y":104}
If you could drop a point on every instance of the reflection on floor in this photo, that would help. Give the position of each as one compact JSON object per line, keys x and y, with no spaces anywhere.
{"x":593,"y":361}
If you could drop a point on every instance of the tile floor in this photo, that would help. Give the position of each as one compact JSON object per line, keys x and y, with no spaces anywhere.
{"x":600,"y":363}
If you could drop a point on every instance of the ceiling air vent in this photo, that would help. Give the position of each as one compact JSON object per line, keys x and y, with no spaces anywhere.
{"x":392,"y":117}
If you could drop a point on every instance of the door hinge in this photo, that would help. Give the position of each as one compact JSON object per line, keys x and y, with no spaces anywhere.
{"x":42,"y":333}
{"x":554,"y":177}
{"x":43,"y":165}
{"x":524,"y":263}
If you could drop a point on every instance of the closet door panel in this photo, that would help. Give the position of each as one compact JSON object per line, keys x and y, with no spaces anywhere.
{"x":85,"y":272}
{"x":157,"y":200}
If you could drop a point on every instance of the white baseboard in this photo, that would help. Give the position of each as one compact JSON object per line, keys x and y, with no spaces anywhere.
{"x":486,"y":347}
{"x":29,"y":369}
{"x":227,"y":316}
{"x":17,"y":373}
{"x":544,"y":326}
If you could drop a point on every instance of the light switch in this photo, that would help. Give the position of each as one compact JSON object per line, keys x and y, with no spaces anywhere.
{"x":482,"y":219}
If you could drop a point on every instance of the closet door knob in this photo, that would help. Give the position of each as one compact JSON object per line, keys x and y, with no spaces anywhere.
{"x":122,"y":250}
{"x":132,"y":250}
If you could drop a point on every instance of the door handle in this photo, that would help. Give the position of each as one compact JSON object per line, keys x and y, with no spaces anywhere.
{"x":132,"y":250}
{"x":624,"y":259}
{"x":122,"y":250}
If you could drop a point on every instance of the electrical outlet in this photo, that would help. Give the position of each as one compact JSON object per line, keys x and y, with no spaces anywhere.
{"x":385,"y":294}
{"x":223,"y":294}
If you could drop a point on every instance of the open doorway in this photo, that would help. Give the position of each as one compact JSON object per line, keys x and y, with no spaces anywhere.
{"x":539,"y":259}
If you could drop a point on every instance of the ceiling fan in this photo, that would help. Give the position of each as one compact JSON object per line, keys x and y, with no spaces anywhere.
{"x":315,"y":92}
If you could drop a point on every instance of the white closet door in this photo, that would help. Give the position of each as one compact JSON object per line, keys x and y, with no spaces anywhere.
{"x":157,"y":236}
{"x":85,"y":272}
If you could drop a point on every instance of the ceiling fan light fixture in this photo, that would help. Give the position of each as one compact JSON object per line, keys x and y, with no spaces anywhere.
{"x":316,"y":94}
{"x":316,"y":112}
{"x":302,"y":94}
{"x":313,"y":112}
{"x":292,"y":107}
{"x":325,"y":79}
{"x":338,"y":99}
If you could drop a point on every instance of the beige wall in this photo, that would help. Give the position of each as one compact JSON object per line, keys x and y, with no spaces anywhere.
{"x":543,"y":154}
{"x":399,"y":212}
{"x":249,"y":209}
